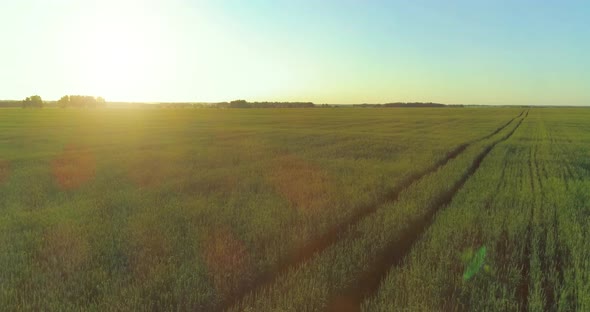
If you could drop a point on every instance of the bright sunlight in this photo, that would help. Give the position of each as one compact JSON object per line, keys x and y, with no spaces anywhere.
{"x":119,"y":53}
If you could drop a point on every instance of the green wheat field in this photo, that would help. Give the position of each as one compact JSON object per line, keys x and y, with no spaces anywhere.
{"x":342,"y":209}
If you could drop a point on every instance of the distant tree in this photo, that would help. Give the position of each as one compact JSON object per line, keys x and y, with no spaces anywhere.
{"x":77,"y":101}
{"x":239,"y":104}
{"x":81,"y":101}
{"x":64,"y":101}
{"x":34,"y":101}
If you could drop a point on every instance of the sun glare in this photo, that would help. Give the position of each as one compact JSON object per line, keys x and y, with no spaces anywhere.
{"x":120,"y":60}
{"x":136,"y":52}
{"x":119,"y":53}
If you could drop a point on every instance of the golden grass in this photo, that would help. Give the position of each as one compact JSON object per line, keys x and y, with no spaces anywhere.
{"x":75,"y":166}
{"x":306,"y":186}
{"x":151,"y":170}
{"x":149,"y":248}
{"x":227,"y":260}
{"x":64,"y":249}
{"x":4,"y":171}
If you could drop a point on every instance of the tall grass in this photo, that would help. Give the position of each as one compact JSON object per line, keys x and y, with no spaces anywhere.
{"x":181,"y":209}
{"x":527,"y":207}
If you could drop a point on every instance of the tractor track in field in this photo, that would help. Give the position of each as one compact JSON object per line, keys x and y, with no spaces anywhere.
{"x":502,"y":127}
{"x":397,"y":250}
{"x":523,"y":289}
{"x":523,"y":285}
{"x":312,"y":248}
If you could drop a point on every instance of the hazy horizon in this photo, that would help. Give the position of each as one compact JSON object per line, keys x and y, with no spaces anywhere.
{"x":341,"y":52}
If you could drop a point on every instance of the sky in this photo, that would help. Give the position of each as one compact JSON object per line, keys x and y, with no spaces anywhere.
{"x":519,"y":52}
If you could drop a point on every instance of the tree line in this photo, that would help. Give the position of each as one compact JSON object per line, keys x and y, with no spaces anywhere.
{"x":81,"y":101}
{"x":407,"y":104}
{"x":34,"y":101}
{"x":78,"y":101}
{"x":246,"y":104}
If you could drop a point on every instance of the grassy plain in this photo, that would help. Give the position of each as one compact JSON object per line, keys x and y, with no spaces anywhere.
{"x":291,"y":209}
{"x":528,"y":206}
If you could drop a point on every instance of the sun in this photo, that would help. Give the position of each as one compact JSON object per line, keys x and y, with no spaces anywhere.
{"x":135,"y":51}
{"x":120,"y":60}
{"x":118,"y":54}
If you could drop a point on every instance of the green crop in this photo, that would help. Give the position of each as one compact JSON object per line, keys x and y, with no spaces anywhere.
{"x":526,"y":205}
{"x":459,"y":209}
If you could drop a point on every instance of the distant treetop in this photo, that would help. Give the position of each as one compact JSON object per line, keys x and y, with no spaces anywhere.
{"x":81,"y":101}
{"x":34,"y":101}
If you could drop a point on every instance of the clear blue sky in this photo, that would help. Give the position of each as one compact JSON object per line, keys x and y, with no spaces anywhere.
{"x":345,"y":51}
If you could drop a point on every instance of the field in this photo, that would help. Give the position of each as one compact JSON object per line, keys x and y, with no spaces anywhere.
{"x":342,"y":209}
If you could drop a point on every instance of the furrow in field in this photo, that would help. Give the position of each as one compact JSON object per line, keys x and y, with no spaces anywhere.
{"x":500,"y":128}
{"x":536,"y":291}
{"x":325,"y":272}
{"x":319,"y":244}
{"x":523,"y":289}
{"x":398,"y":249}
{"x":565,"y":174}
{"x":543,"y":229}
{"x":551,"y":253}
{"x":504,"y":126}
